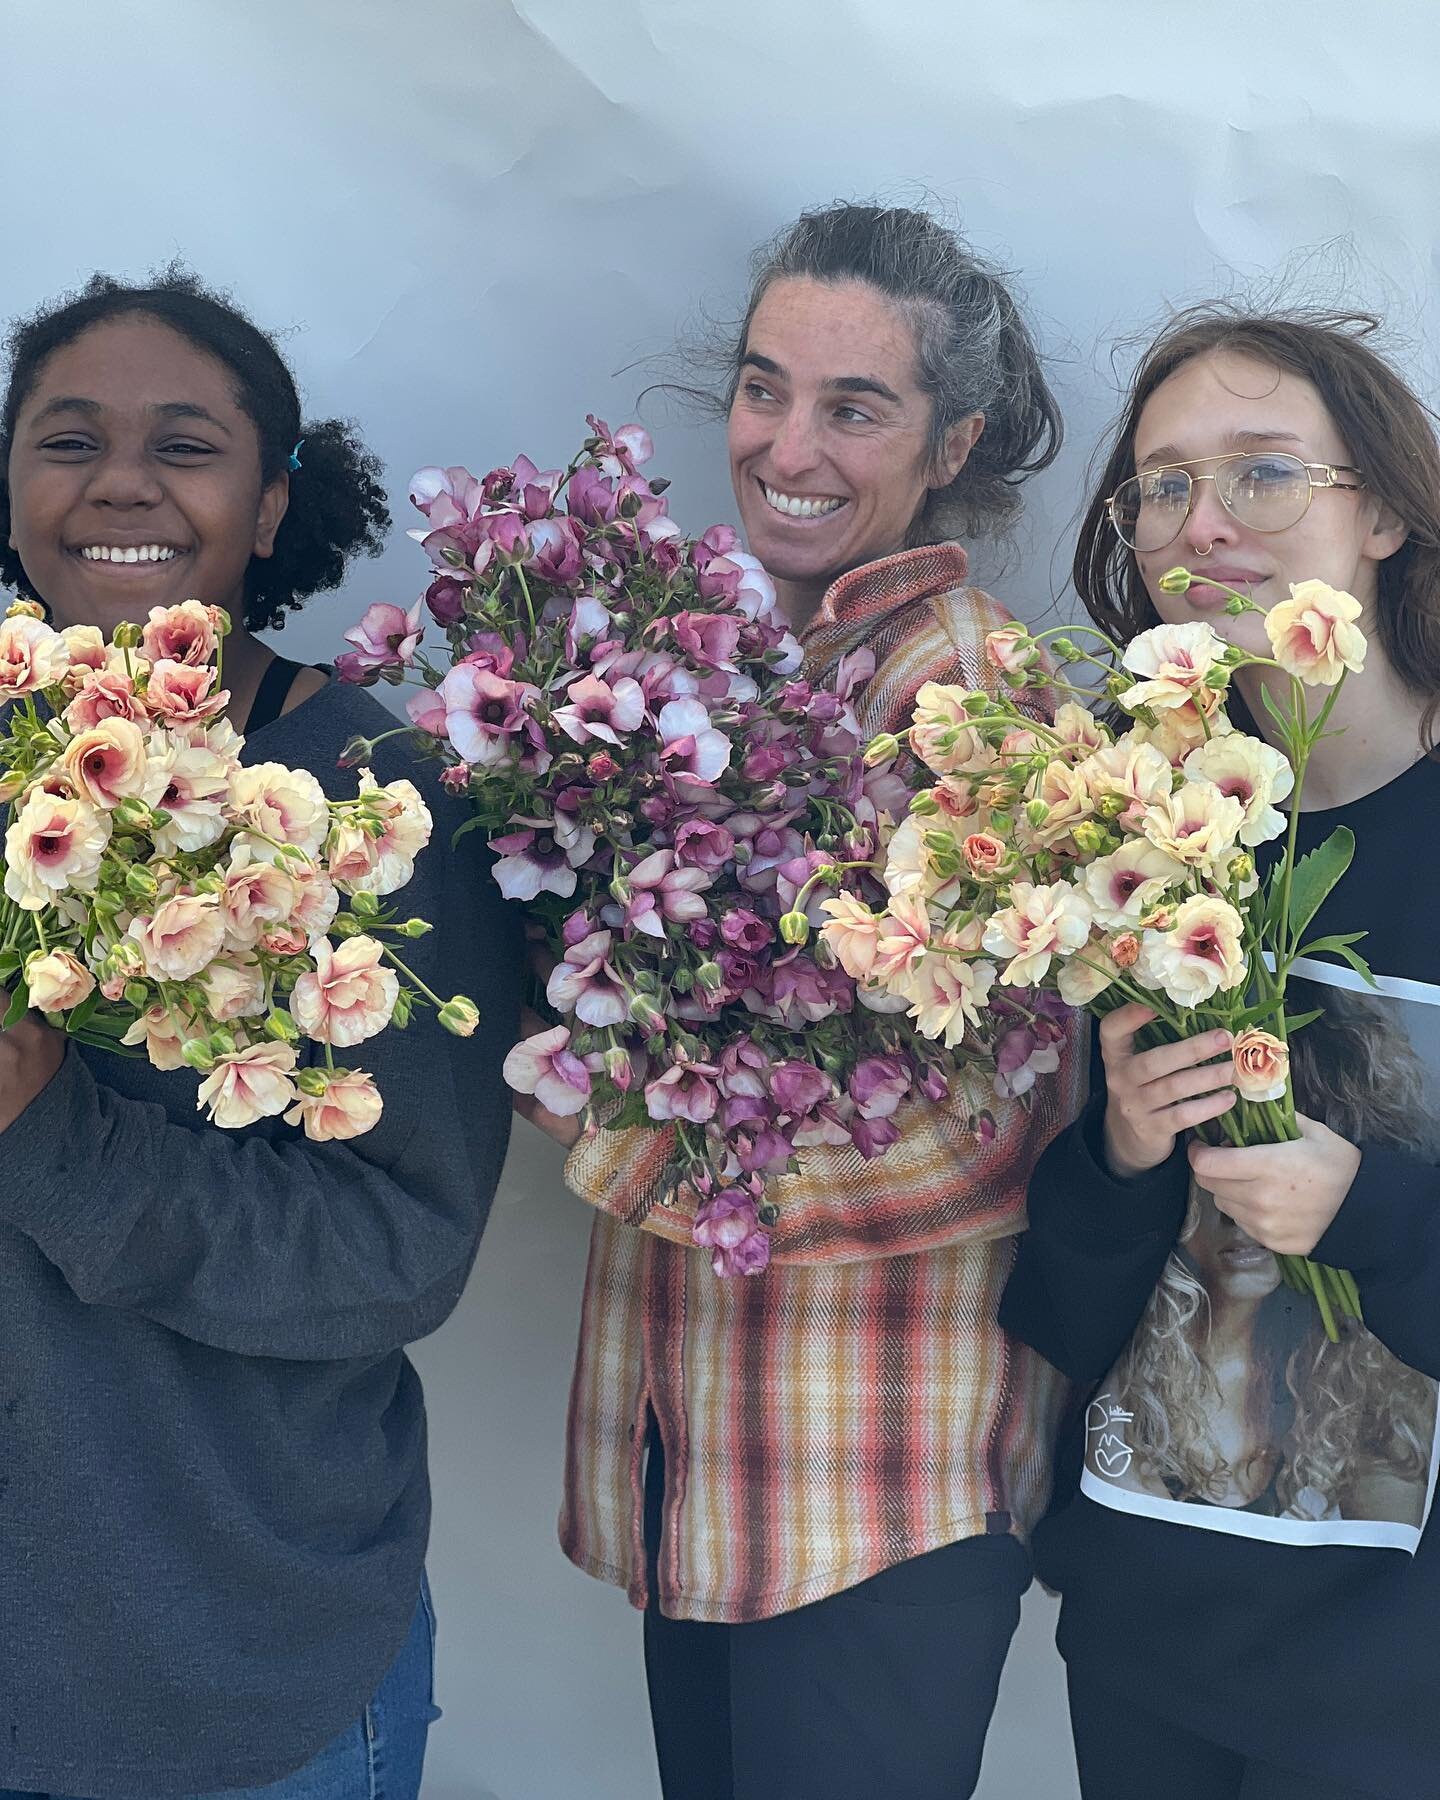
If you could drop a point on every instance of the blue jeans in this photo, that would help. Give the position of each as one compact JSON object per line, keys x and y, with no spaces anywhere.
{"x":380,"y":1756}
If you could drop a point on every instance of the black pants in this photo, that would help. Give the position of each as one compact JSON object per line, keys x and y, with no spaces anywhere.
{"x":1126,"y":1753}
{"x":883,"y":1692}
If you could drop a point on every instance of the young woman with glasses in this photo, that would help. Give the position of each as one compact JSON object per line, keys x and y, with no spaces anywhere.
{"x":1250,"y":1579}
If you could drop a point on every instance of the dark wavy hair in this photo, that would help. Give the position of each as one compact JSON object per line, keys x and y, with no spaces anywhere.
{"x":974,"y":351}
{"x":337,"y":506}
{"x":1389,"y":433}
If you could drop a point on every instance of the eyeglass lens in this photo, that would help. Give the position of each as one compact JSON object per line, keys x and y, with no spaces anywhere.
{"x":1266,"y":491}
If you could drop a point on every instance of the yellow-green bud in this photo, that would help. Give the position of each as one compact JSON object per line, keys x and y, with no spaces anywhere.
{"x":1237,"y":604}
{"x":312,"y":1081}
{"x":924,"y":805}
{"x":414,"y":928}
{"x":25,"y":609}
{"x":132,"y":814}
{"x":126,"y":635}
{"x":137,"y":995}
{"x":223,"y":1043}
{"x":140,"y":884}
{"x":1092,"y":839}
{"x":404,"y":1009}
{"x":621,"y":891}
{"x":1175,"y":581}
{"x":460,"y":1016}
{"x":710,"y":976}
{"x":196,"y":1053}
{"x":794,"y":927}
{"x":12,"y":786}
{"x":1036,"y":812}
{"x":221,"y":620}
{"x":1066,"y":649}
{"x":282,"y":1028}
{"x":346,"y":925}
{"x":365,"y":905}
{"x":213,"y":883}
{"x":1242,"y":867}
{"x":882,"y":749}
{"x":1110,"y":806}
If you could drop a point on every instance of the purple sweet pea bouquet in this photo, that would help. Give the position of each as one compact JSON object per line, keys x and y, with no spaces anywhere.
{"x":675,"y":805}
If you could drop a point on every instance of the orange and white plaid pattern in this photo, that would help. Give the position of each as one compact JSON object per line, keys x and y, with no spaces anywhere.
{"x":856,"y":1404}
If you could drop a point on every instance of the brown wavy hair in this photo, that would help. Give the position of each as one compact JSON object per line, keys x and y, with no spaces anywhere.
{"x":1388,"y":432}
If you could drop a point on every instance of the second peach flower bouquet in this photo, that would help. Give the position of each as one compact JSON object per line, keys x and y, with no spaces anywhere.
{"x":1116,"y":866}
{"x":162,"y":897}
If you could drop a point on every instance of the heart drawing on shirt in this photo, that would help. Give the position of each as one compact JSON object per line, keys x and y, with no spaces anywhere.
{"x":1113,"y":1455}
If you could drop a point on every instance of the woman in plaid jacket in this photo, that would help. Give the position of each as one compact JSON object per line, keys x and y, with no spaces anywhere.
{"x":818,"y":1483}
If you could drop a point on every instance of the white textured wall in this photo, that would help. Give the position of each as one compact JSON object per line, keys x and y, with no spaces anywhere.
{"x":470,"y":215}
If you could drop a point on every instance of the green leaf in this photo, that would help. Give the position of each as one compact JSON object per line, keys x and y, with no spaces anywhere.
{"x":465,"y":829}
{"x":19,"y":1005}
{"x":1253,"y":1014}
{"x":1314,"y":876}
{"x":1298,"y":1021}
{"x":1282,"y":719}
{"x":1338,"y":942}
{"x":79,"y":1016}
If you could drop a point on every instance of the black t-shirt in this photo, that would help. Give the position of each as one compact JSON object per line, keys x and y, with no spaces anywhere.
{"x":1242,"y":1527}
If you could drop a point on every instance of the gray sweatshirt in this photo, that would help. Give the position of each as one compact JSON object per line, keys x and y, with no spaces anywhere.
{"x":213,"y":1493}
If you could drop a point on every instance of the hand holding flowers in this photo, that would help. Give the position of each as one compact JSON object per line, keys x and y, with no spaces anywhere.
{"x":1119,"y":871}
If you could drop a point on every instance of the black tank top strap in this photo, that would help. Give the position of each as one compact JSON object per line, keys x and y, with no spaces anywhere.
{"x":272,"y":693}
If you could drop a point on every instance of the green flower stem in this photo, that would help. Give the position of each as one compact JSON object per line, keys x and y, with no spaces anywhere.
{"x":410,"y":975}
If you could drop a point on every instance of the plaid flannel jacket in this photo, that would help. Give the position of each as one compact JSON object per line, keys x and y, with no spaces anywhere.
{"x":856,"y":1404}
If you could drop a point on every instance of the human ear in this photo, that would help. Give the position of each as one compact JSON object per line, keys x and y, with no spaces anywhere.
{"x":274,"y":503}
{"x":960,"y":440}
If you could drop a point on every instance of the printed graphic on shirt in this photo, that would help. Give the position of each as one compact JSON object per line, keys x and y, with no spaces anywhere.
{"x":1230,"y":1410}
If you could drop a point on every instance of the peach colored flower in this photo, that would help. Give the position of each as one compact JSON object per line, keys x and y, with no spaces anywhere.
{"x":1125,"y":885}
{"x":233,"y":990}
{"x":349,"y":997}
{"x":55,"y":843}
{"x":1128,"y":770}
{"x":1197,"y":825}
{"x":956,"y":801}
{"x":942,"y":736}
{"x":904,"y":934}
{"x":349,"y":1107}
{"x":1172,"y":662}
{"x":196,"y":783}
{"x":407,"y":827}
{"x":109,"y":763}
{"x":1180,"y":730}
{"x":183,"y":935}
{"x":1063,"y":789}
{"x":909,"y":868}
{"x":946,"y":994}
{"x":1262,"y":1065}
{"x":183,"y":634}
{"x":1087,"y":973}
{"x":255,"y":896}
{"x":32,"y":657}
{"x":110,"y":694}
{"x":162,"y":1035}
{"x":1041,"y":923}
{"x":252,"y":1084}
{"x":987,"y":856}
{"x":319,"y":901}
{"x":183,"y":694}
{"x":1252,"y":773}
{"x":1075,"y":725}
{"x":1202,"y":951}
{"x":1125,"y":950}
{"x":853,"y":932}
{"x":1012,"y":649}
{"x":1313,"y":634}
{"x":57,"y":982}
{"x":282,"y":806}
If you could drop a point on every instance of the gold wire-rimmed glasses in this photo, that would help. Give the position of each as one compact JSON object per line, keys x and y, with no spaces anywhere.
{"x":1266,"y":490}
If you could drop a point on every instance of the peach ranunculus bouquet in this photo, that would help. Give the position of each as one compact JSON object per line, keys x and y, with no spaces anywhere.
{"x":160,"y":898}
{"x":1111,"y":866}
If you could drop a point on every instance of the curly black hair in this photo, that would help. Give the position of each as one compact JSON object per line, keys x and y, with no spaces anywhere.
{"x":337,"y":505}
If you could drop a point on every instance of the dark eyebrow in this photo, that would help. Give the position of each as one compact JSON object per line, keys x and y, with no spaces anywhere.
{"x":170,"y":409}
{"x":840,"y":384}
{"x":1238,"y":440}
{"x":67,"y":403}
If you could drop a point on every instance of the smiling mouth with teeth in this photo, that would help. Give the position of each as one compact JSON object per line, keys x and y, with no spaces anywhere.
{"x":128,"y":553}
{"x":795,"y":506}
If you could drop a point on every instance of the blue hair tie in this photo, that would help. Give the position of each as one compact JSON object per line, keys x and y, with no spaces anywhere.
{"x":294,"y":462}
